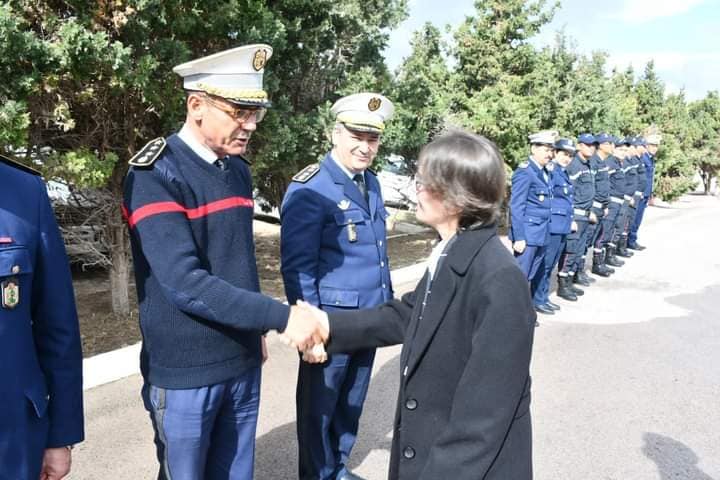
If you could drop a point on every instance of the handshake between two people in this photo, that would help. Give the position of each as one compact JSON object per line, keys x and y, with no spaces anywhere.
{"x":307,"y":330}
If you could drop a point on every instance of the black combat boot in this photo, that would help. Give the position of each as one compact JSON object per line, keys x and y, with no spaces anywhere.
{"x":599,"y":267}
{"x":611,"y":259}
{"x":582,"y":278}
{"x":564,"y":289}
{"x":577,"y":290}
{"x":605,"y":264}
{"x":622,"y":248}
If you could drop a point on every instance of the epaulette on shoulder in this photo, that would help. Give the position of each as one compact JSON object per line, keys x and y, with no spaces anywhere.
{"x":19,"y":166}
{"x":524,"y":164}
{"x":306,"y":173}
{"x":149,"y":153}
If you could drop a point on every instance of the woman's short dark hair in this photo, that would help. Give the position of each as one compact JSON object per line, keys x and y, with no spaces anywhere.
{"x":467,"y":171}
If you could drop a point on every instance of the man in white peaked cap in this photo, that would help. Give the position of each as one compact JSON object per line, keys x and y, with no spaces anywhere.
{"x":334,"y":256}
{"x":189,"y":207}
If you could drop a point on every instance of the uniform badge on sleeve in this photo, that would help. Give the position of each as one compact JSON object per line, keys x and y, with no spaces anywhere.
{"x":344,"y":204}
{"x":10,"y":293}
{"x":541,"y":197}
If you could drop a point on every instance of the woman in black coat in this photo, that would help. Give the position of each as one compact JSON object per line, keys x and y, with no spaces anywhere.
{"x":467,"y":330}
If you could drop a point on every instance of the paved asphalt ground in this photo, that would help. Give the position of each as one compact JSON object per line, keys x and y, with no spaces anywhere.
{"x":626,"y":382}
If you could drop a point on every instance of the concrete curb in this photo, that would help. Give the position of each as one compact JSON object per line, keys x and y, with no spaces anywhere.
{"x":124,"y":362}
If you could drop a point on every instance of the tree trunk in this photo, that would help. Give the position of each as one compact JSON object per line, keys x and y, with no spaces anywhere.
{"x":120,"y":268}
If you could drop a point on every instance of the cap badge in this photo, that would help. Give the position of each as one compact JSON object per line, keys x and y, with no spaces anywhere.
{"x":260,"y":59}
{"x":374,"y":104}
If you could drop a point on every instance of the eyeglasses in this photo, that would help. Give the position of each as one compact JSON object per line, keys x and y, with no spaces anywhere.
{"x":239,"y":114}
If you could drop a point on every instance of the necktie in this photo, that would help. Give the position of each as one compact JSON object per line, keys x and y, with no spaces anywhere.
{"x":220,"y":163}
{"x":360,"y":182}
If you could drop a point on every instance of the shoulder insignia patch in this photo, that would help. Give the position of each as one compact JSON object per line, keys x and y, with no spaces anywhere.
{"x":19,"y":166}
{"x":149,"y":153}
{"x":524,"y":165}
{"x":306,"y":173}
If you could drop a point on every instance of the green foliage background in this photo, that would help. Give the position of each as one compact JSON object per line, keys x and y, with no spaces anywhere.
{"x":87,"y":83}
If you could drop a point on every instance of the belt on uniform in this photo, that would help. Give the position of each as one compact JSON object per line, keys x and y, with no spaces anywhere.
{"x":580,"y":211}
{"x":627,"y":197}
{"x":617,"y":200}
{"x":638,"y":193}
{"x":597,"y":205}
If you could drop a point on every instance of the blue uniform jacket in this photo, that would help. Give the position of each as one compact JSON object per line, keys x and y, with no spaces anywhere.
{"x":641,"y":176}
{"x":602,"y":179}
{"x":561,"y":205}
{"x":40,"y":353}
{"x":333,"y":244}
{"x":617,"y":176}
{"x":649,"y":162}
{"x":631,"y":181}
{"x":583,"y":182}
{"x":530,"y":200}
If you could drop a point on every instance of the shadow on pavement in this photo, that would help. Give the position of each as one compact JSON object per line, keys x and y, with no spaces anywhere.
{"x":674,"y":459}
{"x":276,"y":451}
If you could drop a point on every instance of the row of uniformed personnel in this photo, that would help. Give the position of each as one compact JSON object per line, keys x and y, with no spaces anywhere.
{"x":567,"y":198}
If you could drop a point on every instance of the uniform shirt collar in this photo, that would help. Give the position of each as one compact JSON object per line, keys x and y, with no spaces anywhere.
{"x":344,"y":168}
{"x":191,"y":141}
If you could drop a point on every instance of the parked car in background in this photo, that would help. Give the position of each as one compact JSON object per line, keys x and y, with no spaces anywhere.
{"x":397,"y":181}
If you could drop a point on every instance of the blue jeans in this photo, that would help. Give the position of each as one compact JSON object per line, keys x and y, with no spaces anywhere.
{"x":207,"y":432}
{"x":552,"y":255}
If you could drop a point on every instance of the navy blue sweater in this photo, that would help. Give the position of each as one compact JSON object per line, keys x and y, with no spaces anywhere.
{"x":201,"y":313}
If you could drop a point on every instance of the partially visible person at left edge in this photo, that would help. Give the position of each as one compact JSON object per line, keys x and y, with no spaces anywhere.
{"x":41,"y":417}
{"x":189,"y":205}
{"x":530,"y":200}
{"x":334,"y":256}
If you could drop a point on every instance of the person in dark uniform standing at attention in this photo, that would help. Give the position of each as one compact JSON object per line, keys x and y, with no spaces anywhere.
{"x":530,"y":200}
{"x":561,"y":221}
{"x":583,"y":182}
{"x":334,"y":256}
{"x":617,"y":208}
{"x":40,"y":352}
{"x":649,"y":151}
{"x":632,"y":194}
{"x":189,"y":207}
{"x":598,"y":164}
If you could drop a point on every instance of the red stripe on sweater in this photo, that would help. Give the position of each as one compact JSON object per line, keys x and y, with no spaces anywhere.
{"x":158,"y":208}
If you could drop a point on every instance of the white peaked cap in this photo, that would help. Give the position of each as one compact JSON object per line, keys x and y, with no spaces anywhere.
{"x":364,"y":112}
{"x":235,"y":74}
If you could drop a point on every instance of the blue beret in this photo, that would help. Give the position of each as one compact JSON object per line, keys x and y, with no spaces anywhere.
{"x":628,"y":141}
{"x":640,"y":142}
{"x":586,"y":138}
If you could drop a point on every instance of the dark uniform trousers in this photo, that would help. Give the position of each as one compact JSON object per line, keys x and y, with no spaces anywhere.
{"x":610,"y":222}
{"x":575,"y":247}
{"x":642,"y":205}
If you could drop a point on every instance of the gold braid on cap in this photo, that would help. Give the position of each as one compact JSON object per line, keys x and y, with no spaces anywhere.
{"x":253,"y":95}
{"x":360,"y":120}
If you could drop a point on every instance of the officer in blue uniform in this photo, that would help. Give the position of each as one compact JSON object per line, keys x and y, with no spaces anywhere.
{"x":334,"y":256}
{"x":561,"y":221}
{"x":189,"y":207}
{"x":530,"y":200}
{"x":583,"y":182}
{"x":40,"y":353}
{"x":598,"y":164}
{"x":649,"y":147}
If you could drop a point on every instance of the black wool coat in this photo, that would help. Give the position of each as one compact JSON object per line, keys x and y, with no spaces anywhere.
{"x":463,"y":410}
